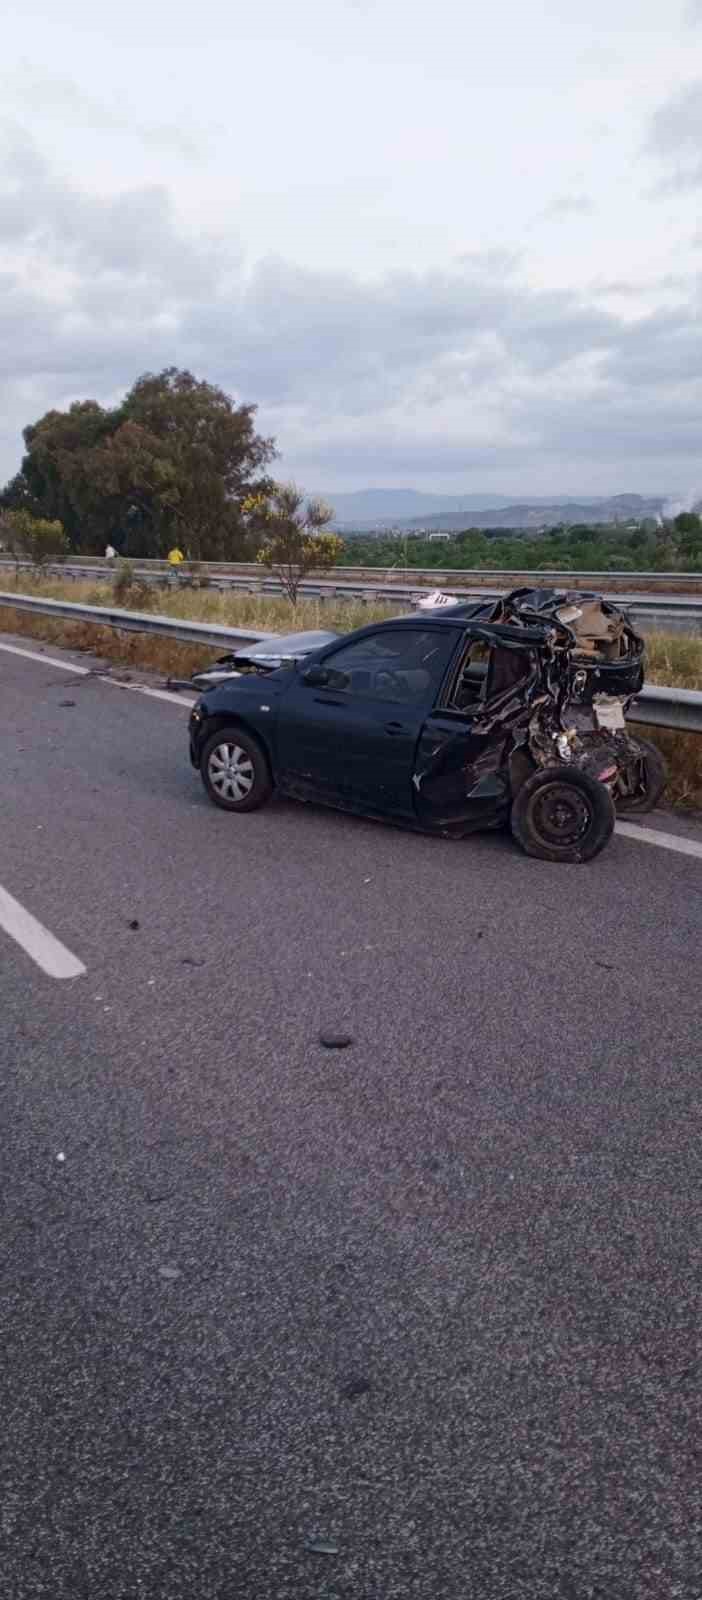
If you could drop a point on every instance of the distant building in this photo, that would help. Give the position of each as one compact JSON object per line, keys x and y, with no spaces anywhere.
{"x":433,"y":536}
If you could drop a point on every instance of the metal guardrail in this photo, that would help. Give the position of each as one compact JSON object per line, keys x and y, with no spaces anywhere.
{"x":661,"y":707}
{"x":386,"y":581}
{"x":683,"y":612}
{"x":180,"y":629}
{"x":98,"y":564}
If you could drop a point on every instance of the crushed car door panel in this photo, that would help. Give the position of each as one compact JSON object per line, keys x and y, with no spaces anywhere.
{"x":463,"y":772}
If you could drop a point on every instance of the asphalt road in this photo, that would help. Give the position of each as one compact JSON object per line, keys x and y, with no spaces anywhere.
{"x":434,"y":1299}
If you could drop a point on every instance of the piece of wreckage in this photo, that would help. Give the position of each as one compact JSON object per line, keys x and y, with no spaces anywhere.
{"x":460,"y":716}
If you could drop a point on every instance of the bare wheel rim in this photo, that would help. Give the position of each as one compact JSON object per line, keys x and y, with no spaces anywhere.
{"x":561,"y":815}
{"x":231,"y":772}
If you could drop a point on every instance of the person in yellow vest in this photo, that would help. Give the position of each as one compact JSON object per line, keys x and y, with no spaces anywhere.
{"x":175,"y":556}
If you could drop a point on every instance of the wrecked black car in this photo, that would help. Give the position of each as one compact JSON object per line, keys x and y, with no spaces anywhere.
{"x":478,"y":715}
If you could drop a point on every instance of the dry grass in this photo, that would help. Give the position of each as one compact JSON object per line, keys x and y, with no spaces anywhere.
{"x":675,"y":659}
{"x":683,"y":753}
{"x":672,"y":658}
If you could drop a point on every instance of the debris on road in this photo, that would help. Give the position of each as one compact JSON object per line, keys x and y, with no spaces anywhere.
{"x":67,"y":703}
{"x":333,"y":1040}
{"x":134,"y":924}
{"x":61,"y":1156}
{"x":322,"y":1547}
{"x":171,"y":1273}
{"x":356,"y":1388}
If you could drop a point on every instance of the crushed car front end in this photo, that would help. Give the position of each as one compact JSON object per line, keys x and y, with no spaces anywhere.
{"x":593,"y":670}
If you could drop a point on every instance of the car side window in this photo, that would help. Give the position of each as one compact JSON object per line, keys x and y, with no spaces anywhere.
{"x":402,"y":664}
{"x":485,"y":671}
{"x":468,"y":687}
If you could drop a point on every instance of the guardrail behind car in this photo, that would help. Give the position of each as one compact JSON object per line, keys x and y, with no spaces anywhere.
{"x":674,"y":613}
{"x":662,"y":707}
{"x":397,"y":578}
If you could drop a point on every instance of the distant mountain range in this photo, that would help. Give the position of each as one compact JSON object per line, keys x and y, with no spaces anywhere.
{"x":387,"y":505}
{"x":380,"y":509}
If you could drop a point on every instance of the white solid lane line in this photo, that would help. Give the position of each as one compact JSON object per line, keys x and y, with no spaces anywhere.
{"x":629,"y":830}
{"x":36,"y":941}
{"x":46,"y":661}
{"x":85,"y":672}
{"x":153,"y":694}
{"x":665,"y":841}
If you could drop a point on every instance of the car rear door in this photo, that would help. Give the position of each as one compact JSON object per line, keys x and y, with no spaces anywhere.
{"x":462,"y":767}
{"x":352,"y":740}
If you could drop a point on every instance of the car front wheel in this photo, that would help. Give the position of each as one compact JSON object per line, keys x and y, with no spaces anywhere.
{"x":561,"y":814}
{"x":235,"y":771}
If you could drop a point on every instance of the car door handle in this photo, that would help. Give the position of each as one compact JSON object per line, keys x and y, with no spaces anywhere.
{"x":394,"y":728}
{"x":328,"y":700}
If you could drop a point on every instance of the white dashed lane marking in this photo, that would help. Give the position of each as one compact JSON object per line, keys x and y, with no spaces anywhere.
{"x":32,"y":937}
{"x":664,"y":841}
{"x":85,"y":672}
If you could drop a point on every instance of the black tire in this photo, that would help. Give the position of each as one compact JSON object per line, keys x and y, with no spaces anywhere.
{"x":641,"y":786}
{"x":561,"y":814}
{"x":235,"y":771}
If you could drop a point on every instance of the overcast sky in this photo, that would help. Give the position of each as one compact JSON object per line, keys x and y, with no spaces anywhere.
{"x":456,"y":246}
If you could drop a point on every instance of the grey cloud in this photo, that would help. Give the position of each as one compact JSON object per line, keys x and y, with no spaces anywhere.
{"x":682,"y":180}
{"x":460,"y":370}
{"x":576,"y":204}
{"x":675,"y":137}
{"x":125,"y":234}
{"x":56,"y":96}
{"x":665,"y":347}
{"x":677,"y":124}
{"x":626,"y":288}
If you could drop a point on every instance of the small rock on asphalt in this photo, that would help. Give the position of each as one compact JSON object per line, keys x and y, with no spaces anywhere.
{"x":335,"y":1040}
{"x":356,"y":1387}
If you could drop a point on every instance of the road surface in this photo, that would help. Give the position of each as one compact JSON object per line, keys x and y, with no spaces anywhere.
{"x":417,"y":1318}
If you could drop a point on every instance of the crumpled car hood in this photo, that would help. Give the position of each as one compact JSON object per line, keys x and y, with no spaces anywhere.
{"x":267,"y":654}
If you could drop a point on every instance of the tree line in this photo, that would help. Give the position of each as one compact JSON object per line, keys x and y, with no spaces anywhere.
{"x":673,"y":546}
{"x":177,"y":464}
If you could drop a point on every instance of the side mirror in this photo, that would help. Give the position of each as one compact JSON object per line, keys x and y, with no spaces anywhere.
{"x":315,"y":676}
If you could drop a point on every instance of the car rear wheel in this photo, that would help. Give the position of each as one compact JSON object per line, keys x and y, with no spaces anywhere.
{"x":642,"y":781}
{"x":562,"y":815}
{"x":235,"y":771}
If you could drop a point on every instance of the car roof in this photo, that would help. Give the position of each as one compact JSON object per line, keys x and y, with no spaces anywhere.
{"x":441,"y":618}
{"x":480,"y":615}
